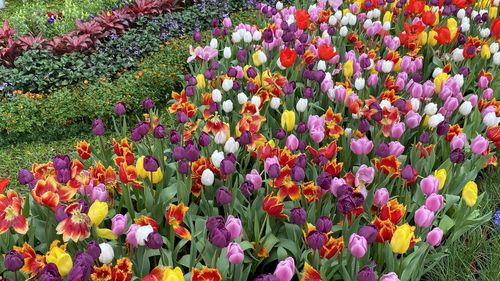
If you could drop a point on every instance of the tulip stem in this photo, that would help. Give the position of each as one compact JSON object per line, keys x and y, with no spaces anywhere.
{"x":216,"y":256}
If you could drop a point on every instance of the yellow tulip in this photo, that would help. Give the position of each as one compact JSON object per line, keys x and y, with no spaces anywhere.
{"x":266,"y":74}
{"x":97,"y":212}
{"x":485,"y":52}
{"x":426,"y":120}
{"x":173,"y":274}
{"x":141,"y":172}
{"x":348,"y":68}
{"x":438,"y":81}
{"x":493,"y":12}
{"x":106,"y":233}
{"x":58,"y":256}
{"x":422,"y":38}
{"x":401,"y":238}
{"x":255,"y":58}
{"x":288,"y":120}
{"x":257,"y":78}
{"x":397,"y":66}
{"x":452,"y":26}
{"x":469,"y":193}
{"x":431,"y":40}
{"x":440,"y":175}
{"x":387,"y":17}
{"x":200,"y":81}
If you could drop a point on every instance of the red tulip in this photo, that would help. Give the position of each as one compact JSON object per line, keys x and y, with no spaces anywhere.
{"x":287,"y":57}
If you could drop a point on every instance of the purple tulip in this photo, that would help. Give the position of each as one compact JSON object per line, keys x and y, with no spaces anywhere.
{"x":148,"y":103}
{"x":298,"y":216}
{"x":159,"y":132}
{"x":120,"y":108}
{"x":98,"y":127}
{"x":223,"y":196}
{"x":151,"y":164}
{"x":316,"y":240}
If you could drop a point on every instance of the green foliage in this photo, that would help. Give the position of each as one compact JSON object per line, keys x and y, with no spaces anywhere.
{"x":28,"y":16}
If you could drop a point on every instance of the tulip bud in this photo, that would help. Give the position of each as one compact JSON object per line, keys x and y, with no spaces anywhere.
{"x":231,"y":146}
{"x":227,"y":53}
{"x":357,"y":245}
{"x":207,"y":177}
{"x":285,"y":269}
{"x":275,"y":103}
{"x":234,"y":253}
{"x":435,"y":236}
{"x":227,"y":106}
{"x":107,"y":253}
{"x":216,"y":96}
{"x":381,"y":197}
{"x":142,"y":234}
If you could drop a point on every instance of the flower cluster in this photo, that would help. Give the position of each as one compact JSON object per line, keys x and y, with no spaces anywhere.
{"x":334,"y":140}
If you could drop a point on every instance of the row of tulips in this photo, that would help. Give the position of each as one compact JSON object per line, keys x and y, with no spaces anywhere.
{"x":332,"y":141}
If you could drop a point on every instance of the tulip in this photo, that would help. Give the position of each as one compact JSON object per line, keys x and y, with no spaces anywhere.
{"x":469,"y":193}
{"x":98,"y":127}
{"x":441,"y":176}
{"x":99,"y":193}
{"x":364,"y":175}
{"x":292,"y":142}
{"x":381,"y":197}
{"x":434,"y":202}
{"x":298,"y":216}
{"x":170,"y":274}
{"x":231,"y":145}
{"x":435,"y":236}
{"x":223,"y":196}
{"x":120,"y":108}
{"x":234,"y":253}
{"x":479,"y":145}
{"x":97,"y":212}
{"x":220,"y":236}
{"x":50,"y":273}
{"x":255,"y":178}
{"x":285,"y":269}
{"x":13,"y":261}
{"x":107,"y":253}
{"x":131,"y":238}
{"x":324,"y":224}
{"x":233,"y":225}
{"x":401,"y":238}
{"x":93,"y":249}
{"x":424,"y":217}
{"x":288,"y":120}
{"x":316,"y":240}
{"x":391,"y":276}
{"x":357,"y":245}
{"x":148,"y":103}
{"x":369,"y":232}
{"x":361,"y":146}
{"x":58,"y":256}
{"x":154,"y":240}
{"x":429,"y":185}
{"x":207,"y":177}
{"x":25,"y":177}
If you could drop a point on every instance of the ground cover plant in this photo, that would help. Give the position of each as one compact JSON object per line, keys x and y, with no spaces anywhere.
{"x":331,"y":141}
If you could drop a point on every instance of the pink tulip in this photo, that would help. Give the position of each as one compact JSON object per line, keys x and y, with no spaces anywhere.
{"x":131,"y":239}
{"x":118,"y":224}
{"x":488,"y":94}
{"x":434,"y":202}
{"x":335,"y":184}
{"x":255,"y":178}
{"x":235,"y":253}
{"x":473,"y":100}
{"x":292,"y":142}
{"x":99,"y":192}
{"x":361,"y":146}
{"x":269,"y":162}
{"x":416,"y":90}
{"x":397,"y":130}
{"x":316,"y":126}
{"x":428,"y":89}
{"x":381,"y":197}
{"x":372,"y":80}
{"x":483,"y":82}
{"x":396,"y":148}
{"x":357,"y":245}
{"x":391,"y":276}
{"x":424,"y":217}
{"x":435,"y":236}
{"x":458,"y":141}
{"x":429,"y":185}
{"x":479,"y":145}
{"x":227,"y":22}
{"x":364,"y":175}
{"x":233,"y":225}
{"x":412,"y":119}
{"x":285,"y":269}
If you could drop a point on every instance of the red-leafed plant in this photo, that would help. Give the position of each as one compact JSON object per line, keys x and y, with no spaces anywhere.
{"x":145,"y":7}
{"x":113,"y":22}
{"x":28,"y":41}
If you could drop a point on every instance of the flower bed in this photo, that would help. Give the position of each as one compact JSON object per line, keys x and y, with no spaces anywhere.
{"x":300,"y":148}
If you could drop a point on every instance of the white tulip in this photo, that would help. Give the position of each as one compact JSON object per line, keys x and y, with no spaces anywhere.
{"x":107,"y":253}
{"x":322,"y":65}
{"x":256,"y":100}
{"x":496,"y":58}
{"x":460,"y":79}
{"x":257,"y":36}
{"x":436,"y":72}
{"x":344,"y":20}
{"x":461,"y":14}
{"x":490,"y":119}
{"x":216,"y":95}
{"x":207,"y":177}
{"x":387,"y":66}
{"x":262,"y":57}
{"x":367,"y":23}
{"x":376,"y":13}
{"x":231,"y":146}
{"x":242,"y":98}
{"x":431,"y":108}
{"x":348,"y":131}
{"x":359,"y":83}
{"x":217,"y":157}
{"x":352,"y":19}
{"x":386,"y":26}
{"x":227,"y":106}
{"x":485,"y":32}
{"x":415,"y":104}
{"x":214,"y":43}
{"x":465,"y":26}
{"x":227,"y":85}
{"x":458,"y":55}
{"x":275,"y":103}
{"x":369,"y":15}
{"x":227,"y":53}
{"x":494,"y":47}
{"x":333,"y":20}
{"x":465,"y":108}
{"x":301,"y":105}
{"x":279,"y":5}
{"x":343,"y":31}
{"x":434,"y":120}
{"x":385,"y":104}
{"x":142,"y":234}
{"x":338,"y":15}
{"x":247,"y":38}
{"x":220,"y":137}
{"x":236,"y":37}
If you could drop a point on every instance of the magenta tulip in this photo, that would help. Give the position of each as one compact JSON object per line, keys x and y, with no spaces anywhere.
{"x":357,"y":245}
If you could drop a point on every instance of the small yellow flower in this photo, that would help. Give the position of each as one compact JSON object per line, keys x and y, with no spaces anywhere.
{"x":401,"y":239}
{"x":441,"y":176}
{"x":432,"y":38}
{"x":97,"y":212}
{"x":469,"y":193}
{"x":58,"y":256}
{"x":288,"y":120}
{"x":173,"y":274}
